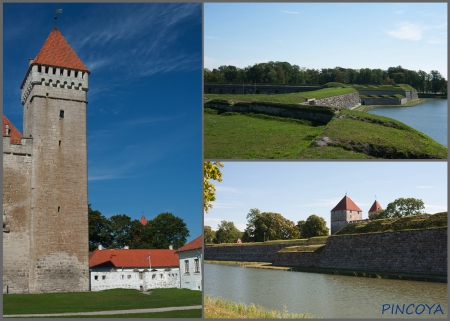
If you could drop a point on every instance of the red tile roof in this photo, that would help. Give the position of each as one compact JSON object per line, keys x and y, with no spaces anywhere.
{"x":57,"y":52}
{"x":346,"y":204}
{"x":194,"y":244}
{"x":143,"y":220}
{"x":133,"y":258}
{"x":375,"y":207}
{"x":14,"y":133}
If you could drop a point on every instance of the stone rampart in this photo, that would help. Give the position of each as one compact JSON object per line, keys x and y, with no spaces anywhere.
{"x":342,"y":101}
{"x":252,"y":89}
{"x":423,"y":251}
{"x":383,"y":101}
{"x":409,"y":94}
{"x":245,"y":252}
{"x":316,"y":113}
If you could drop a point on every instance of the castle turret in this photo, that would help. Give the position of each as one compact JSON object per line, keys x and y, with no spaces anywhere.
{"x":375,"y":207}
{"x":54,"y":99}
{"x":344,"y":212}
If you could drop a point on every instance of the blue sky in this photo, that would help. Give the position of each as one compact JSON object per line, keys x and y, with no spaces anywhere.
{"x":327,"y":35}
{"x":145,"y":99}
{"x":298,"y":189}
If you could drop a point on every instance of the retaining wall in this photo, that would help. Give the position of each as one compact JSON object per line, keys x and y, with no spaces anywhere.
{"x":422,"y":251}
{"x":317,"y":113}
{"x":342,"y":101}
{"x":383,"y":101}
{"x":245,"y":252}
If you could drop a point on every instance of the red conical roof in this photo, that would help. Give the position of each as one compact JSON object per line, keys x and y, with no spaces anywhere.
{"x":375,"y":207}
{"x":57,"y":52}
{"x":14,"y":134}
{"x":143,"y":220}
{"x":346,"y":204}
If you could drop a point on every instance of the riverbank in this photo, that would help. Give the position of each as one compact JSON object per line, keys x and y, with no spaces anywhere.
{"x":227,"y":309}
{"x":344,"y":272}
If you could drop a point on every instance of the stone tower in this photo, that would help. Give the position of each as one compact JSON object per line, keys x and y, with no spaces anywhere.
{"x":345,"y":211}
{"x":56,"y":211}
{"x":375,"y":207}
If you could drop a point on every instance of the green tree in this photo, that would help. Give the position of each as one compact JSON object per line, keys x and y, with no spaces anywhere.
{"x":300,"y":226}
{"x":377,"y":215}
{"x":226,"y":233}
{"x":119,"y":229}
{"x":167,"y":229}
{"x":211,"y":171}
{"x":314,"y":226}
{"x":404,"y":207}
{"x":141,"y":235}
{"x":208,"y":234}
{"x":98,"y":229}
{"x":273,"y":226}
{"x":250,"y":229}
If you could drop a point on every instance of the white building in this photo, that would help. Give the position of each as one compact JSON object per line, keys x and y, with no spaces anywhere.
{"x":139,"y":269}
{"x":190,"y":256}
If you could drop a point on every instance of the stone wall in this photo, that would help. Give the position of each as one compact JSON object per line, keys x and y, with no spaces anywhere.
{"x":409,"y":94}
{"x":423,"y":251}
{"x":245,"y":252}
{"x":383,"y":101}
{"x":342,"y":101}
{"x":316,"y":113}
{"x":252,"y":89}
{"x":16,"y":215}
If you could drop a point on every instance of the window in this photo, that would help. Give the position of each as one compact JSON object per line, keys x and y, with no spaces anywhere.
{"x":61,"y":113}
{"x":59,"y":144}
{"x":197,"y":266}
{"x":128,"y":276}
{"x":122,"y":276}
{"x":140,"y":275}
{"x":59,"y":207}
{"x":96,"y":277}
{"x":153,"y":276}
{"x":103,"y":277}
{"x":186,"y":266}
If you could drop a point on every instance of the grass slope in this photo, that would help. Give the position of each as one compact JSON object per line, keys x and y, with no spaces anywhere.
{"x":355,"y":134}
{"x":117,"y":299}
{"x":234,"y":135}
{"x":293,"y":98}
{"x":195,"y":313}
{"x":413,"y":222}
{"x":384,"y":87}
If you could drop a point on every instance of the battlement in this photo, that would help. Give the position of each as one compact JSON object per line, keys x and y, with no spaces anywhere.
{"x":55,"y":77}
{"x":23,"y":149}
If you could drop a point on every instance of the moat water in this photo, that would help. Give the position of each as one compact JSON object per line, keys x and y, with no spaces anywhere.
{"x":429,"y":117}
{"x":323,"y":295}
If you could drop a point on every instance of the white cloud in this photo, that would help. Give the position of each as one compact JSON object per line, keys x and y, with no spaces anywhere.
{"x":407,"y":31}
{"x":431,"y":209}
{"x":425,"y":186}
{"x":290,"y":12}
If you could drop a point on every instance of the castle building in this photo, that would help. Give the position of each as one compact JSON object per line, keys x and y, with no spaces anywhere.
{"x":344,"y":212}
{"x":375,"y":207}
{"x":45,"y":205}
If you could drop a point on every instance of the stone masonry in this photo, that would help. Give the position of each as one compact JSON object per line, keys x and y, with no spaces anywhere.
{"x":421,"y":251}
{"x":45,"y":178}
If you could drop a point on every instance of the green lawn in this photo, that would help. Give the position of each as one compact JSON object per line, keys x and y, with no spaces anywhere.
{"x":117,"y":299}
{"x":353,"y":133}
{"x":243,"y":136}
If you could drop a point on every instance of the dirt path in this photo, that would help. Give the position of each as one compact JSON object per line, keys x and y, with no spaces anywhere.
{"x":103,"y":312}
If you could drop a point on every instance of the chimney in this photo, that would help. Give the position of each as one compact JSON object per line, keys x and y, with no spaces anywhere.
{"x":171,"y":247}
{"x":100,"y":247}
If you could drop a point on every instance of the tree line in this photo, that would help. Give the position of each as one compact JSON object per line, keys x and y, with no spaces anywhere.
{"x":120,"y":230}
{"x":283,"y":73}
{"x":266,"y":226}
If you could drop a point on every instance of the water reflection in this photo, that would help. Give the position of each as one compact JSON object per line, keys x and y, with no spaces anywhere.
{"x":329,"y":296}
